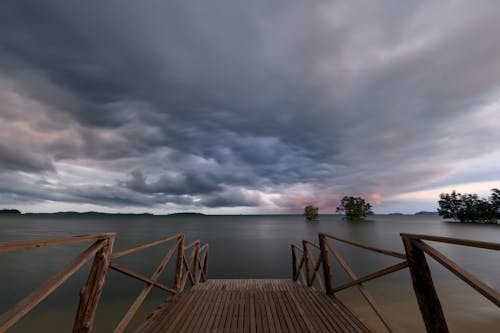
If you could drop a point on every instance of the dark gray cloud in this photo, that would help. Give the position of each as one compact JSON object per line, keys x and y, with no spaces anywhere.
{"x":239,"y":104}
{"x":15,"y":160}
{"x":232,"y":198}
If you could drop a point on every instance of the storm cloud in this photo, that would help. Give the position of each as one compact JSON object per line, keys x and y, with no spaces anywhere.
{"x":229,"y":106}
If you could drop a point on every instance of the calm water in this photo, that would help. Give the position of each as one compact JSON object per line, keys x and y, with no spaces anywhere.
{"x":247,"y":247}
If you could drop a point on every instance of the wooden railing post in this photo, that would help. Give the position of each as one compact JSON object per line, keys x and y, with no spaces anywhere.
{"x":295,"y":276}
{"x":196,"y":263}
{"x":327,"y":270}
{"x":91,"y":292}
{"x":305,"y":248}
{"x":428,"y":301}
{"x":179,"y":263}
{"x":205,"y":266}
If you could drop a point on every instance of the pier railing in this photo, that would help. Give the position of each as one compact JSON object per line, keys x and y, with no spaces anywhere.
{"x":100,"y":249}
{"x":312,"y":266}
{"x":416,"y":247}
{"x":191,"y":265}
{"x":306,"y":268}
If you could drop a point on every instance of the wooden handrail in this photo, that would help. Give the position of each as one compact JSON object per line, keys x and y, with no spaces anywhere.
{"x":312,"y":267}
{"x":90,"y":294}
{"x":25,"y":245}
{"x":141,"y":277}
{"x":456,"y":241}
{"x":423,"y":285}
{"x":372,"y":276}
{"x":308,"y":263}
{"x":195,"y":269}
{"x":143,"y":246}
{"x":415,"y":249}
{"x":145,"y":291}
{"x":368,"y":297}
{"x":366,"y":247}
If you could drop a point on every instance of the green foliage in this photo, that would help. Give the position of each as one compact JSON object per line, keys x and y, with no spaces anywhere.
{"x":469,"y":207}
{"x":311,"y":213}
{"x":495,"y":201}
{"x":354,"y":208}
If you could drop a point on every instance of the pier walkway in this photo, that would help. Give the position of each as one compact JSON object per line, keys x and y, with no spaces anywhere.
{"x":305,"y":303}
{"x":257,"y":305}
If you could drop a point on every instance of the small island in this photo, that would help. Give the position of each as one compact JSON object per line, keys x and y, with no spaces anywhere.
{"x":186,"y":214}
{"x":426,"y":213}
{"x":10,"y":211}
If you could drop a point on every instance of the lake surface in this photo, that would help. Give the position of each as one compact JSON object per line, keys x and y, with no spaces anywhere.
{"x":247,"y":247}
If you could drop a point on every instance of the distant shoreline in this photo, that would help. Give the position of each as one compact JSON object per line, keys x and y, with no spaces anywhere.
{"x":93,"y":213}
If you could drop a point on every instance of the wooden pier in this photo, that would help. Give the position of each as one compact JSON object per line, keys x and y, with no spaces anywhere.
{"x":305,"y":303}
{"x":274,"y":305}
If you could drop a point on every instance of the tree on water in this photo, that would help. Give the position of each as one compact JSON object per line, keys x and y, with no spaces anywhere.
{"x":354,"y":208}
{"x":469,"y":207}
{"x":495,"y":201}
{"x":311,"y":213}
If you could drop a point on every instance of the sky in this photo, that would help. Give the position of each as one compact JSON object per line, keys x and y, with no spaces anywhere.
{"x":246,"y":107}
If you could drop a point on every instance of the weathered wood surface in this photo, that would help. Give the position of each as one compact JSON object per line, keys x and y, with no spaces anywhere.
{"x":427,"y":298}
{"x":271,"y":305}
{"x":10,"y":317}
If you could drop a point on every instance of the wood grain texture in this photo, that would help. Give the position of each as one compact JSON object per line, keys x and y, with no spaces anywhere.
{"x":256,"y":305}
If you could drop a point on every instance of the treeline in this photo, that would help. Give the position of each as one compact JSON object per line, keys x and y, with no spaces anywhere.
{"x":470,"y":207}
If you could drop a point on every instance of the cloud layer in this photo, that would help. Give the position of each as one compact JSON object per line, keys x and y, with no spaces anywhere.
{"x":230,"y":106}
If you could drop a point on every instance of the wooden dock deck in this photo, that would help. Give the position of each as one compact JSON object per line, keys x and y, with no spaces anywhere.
{"x":256,"y":305}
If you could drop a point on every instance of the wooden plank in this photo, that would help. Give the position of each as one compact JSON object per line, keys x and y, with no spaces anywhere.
{"x":252,"y":306}
{"x":366,"y":247}
{"x":281,"y":306}
{"x":17,"y":246}
{"x":10,"y":317}
{"x":456,"y":241}
{"x":209,"y":321}
{"x":199,"y":311}
{"x":144,"y":246}
{"x":252,"y":317}
{"x":297,"y":314}
{"x":303,"y":307}
{"x":273,"y":320}
{"x":177,"y":320}
{"x":294,"y":263}
{"x":328,"y":318}
{"x":221,"y":308}
{"x":91,"y":292}
{"x":375,"y":275}
{"x":141,"y":277}
{"x":190,"y":245}
{"x":349,"y":315}
{"x":259,"y":301}
{"x":427,"y":298}
{"x":307,"y":264}
{"x":179,"y":264}
{"x":327,"y":270}
{"x":485,"y":290}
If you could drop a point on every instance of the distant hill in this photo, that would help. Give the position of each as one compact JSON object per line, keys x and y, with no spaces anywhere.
{"x":426,"y":213}
{"x":397,"y":214}
{"x":89,"y":214}
{"x":10,"y":211}
{"x":186,"y":214}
